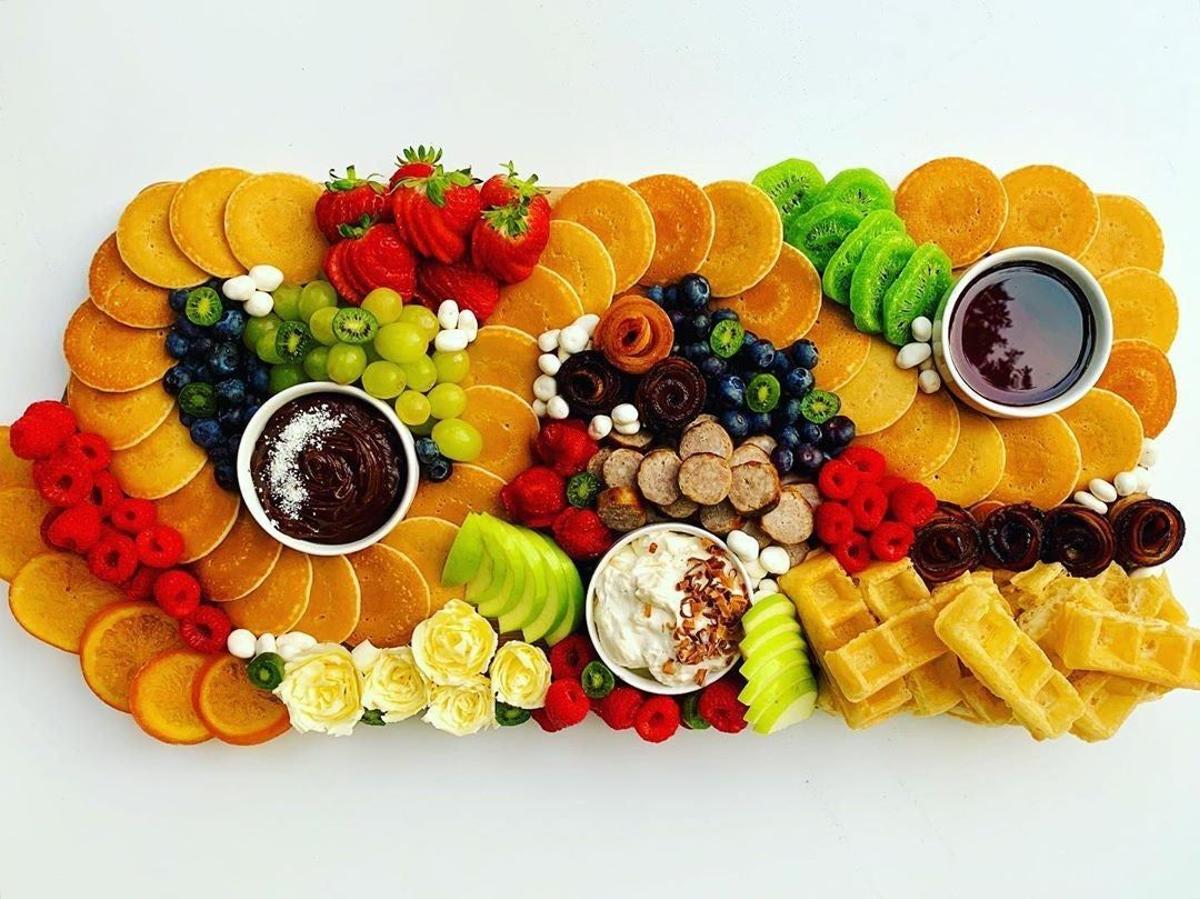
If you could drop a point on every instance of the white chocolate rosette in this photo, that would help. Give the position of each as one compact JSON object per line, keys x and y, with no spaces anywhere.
{"x":322,"y":689}
{"x":454,"y":645}
{"x":520,"y":675}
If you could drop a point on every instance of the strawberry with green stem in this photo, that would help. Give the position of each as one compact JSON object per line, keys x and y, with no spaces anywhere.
{"x":435,"y":212}
{"x":350,"y":200}
{"x":508,"y":240}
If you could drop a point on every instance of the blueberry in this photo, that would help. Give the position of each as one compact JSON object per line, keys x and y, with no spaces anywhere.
{"x":678,"y":319}
{"x":655,"y":293}
{"x":782,"y":459}
{"x":694,"y":292}
{"x":809,"y":432}
{"x":187,"y":328}
{"x":439,"y":469}
{"x":224,"y":360}
{"x":226,"y":474}
{"x":760,"y":422}
{"x":176,"y":378}
{"x":807,"y":459}
{"x":230,"y":325}
{"x":221,"y":453}
{"x":206,"y":432}
{"x":722,"y":315}
{"x":700,"y":325}
{"x":837,"y":432}
{"x":731,"y":391}
{"x":697,"y":352}
{"x":760,"y":354}
{"x":186,"y":420}
{"x":177,"y":345}
{"x":736,"y":423}
{"x":788,"y":412}
{"x":249,"y":411}
{"x":798,"y":381}
{"x":258,"y":380}
{"x":231,"y":392}
{"x":427,"y":450}
{"x":789,"y":436}
{"x":230,"y":420}
{"x":200,"y":348}
{"x":805,"y":354}
{"x":713,"y":366}
{"x":177,"y":299}
{"x":670,"y":296}
{"x":780,"y":366}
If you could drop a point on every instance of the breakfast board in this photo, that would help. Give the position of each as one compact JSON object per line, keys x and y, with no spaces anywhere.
{"x":475,"y":452}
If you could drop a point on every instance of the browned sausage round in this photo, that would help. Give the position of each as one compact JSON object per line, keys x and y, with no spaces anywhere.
{"x":658,"y":477}
{"x":791,"y":521}
{"x":721,"y":518}
{"x":704,"y":478}
{"x":706,"y":437}
{"x":621,"y":468}
{"x":754,"y":487}
{"x":621,"y":508}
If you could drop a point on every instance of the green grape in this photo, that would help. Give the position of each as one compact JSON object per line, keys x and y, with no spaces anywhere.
{"x":266,"y":349}
{"x":383,"y":379}
{"x":345,"y":363}
{"x":421,"y":373}
{"x":452,"y":367}
{"x":384,"y":303}
{"x":421,"y":317}
{"x":287,"y":375}
{"x":312,"y":300}
{"x":401,"y":342}
{"x":316,"y":363}
{"x":257,"y":327}
{"x":457,"y":440}
{"x":447,"y":401}
{"x":321,"y":325}
{"x":413,"y":408}
{"x":287,"y":302}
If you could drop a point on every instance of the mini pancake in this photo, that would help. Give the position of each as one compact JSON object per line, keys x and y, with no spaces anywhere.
{"x":843,"y":348}
{"x":957,"y":203}
{"x":395,"y":597}
{"x":14,"y":472}
{"x":112,"y":357}
{"x":542,"y":301}
{"x":22,"y":510}
{"x":122,"y":419}
{"x":270,"y":219}
{"x":580,"y":257}
{"x":619,"y":216}
{"x":1141,"y":373}
{"x":241,"y":562}
{"x":335,"y":601}
{"x":504,"y":357}
{"x":747,"y":239}
{"x":161,"y":464}
{"x":976,"y":465}
{"x":684,"y":225}
{"x":1042,"y":461}
{"x":202,"y":512}
{"x":427,"y":542}
{"x":197,"y":220}
{"x":1109,"y":433}
{"x":1049,"y":207}
{"x":145,"y":243}
{"x":508,"y":425}
{"x":880,"y":393}
{"x":278,"y":602}
{"x":784,"y":305}
{"x":922,"y":439}
{"x":1143,"y":306}
{"x":1128,"y":236}
{"x":468,"y":489}
{"x":122,"y":295}
{"x":54,"y":595}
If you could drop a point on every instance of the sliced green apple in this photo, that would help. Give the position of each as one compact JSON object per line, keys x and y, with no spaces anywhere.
{"x":557,"y":604}
{"x":761,"y":635}
{"x":537,"y":590}
{"x":780,"y":671}
{"x":786,"y":710}
{"x":508,"y":592}
{"x":779,"y":644}
{"x":481,"y":583}
{"x":777,"y":696}
{"x":466,"y":553}
{"x":768,"y":605}
{"x":573,"y":616}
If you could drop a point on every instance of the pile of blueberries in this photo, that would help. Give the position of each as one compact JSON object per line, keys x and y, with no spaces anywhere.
{"x":217,"y":382}
{"x":434,"y":466}
{"x":753,"y":386}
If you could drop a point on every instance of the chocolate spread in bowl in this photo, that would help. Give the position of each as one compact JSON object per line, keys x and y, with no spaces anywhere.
{"x":328,"y":468}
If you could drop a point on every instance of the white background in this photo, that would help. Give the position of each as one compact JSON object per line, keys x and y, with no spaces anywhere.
{"x":98,"y":100}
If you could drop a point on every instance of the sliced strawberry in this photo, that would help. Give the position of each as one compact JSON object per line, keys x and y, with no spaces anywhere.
{"x":353,"y":271}
{"x":384,"y":261}
{"x":335,"y":272}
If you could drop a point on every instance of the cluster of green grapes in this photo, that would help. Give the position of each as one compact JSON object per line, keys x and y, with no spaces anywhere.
{"x":384,"y":345}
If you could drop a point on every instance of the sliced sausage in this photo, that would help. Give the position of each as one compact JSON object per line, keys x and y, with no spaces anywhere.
{"x":721,"y":518}
{"x":595,"y":464}
{"x":706,"y":437}
{"x":621,"y":508}
{"x":699,"y":420}
{"x":704,"y":478}
{"x":621,"y":468}
{"x":797,"y":552}
{"x":638,"y":441}
{"x":680,"y":509}
{"x":754,"y":487}
{"x":791,"y":521}
{"x":749,"y":452}
{"x":811,"y":494}
{"x":764,"y":442}
{"x":658,"y":476}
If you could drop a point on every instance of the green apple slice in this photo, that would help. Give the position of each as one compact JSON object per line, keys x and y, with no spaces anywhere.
{"x":534,"y":596}
{"x":573,"y":617}
{"x":508,"y":592}
{"x":760,"y":636}
{"x":776,"y":698}
{"x":466,"y":553}
{"x":755,"y":620}
{"x":786,"y":711}
{"x":485,"y":580}
{"x":773,"y":648}
{"x":768,"y":605}
{"x":793,"y":668}
{"x":557,"y":604}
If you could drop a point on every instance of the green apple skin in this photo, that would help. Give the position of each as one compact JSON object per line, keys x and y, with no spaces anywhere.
{"x":573,"y":616}
{"x":508,"y":592}
{"x":758,"y":637}
{"x":768,"y":607}
{"x":556,"y":605}
{"x":537,"y":589}
{"x":781,"y":670}
{"x":466,"y":553}
{"x":480,"y":582}
{"x":784,"y":714}
{"x":787,"y":642}
{"x":781,"y":691}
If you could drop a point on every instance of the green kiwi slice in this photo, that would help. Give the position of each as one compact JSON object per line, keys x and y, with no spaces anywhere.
{"x":818,"y":406}
{"x":839,"y":271}
{"x":791,"y":184}
{"x":354,"y":325}
{"x":818,"y":232}
{"x":916,"y":291}
{"x":293,"y":340}
{"x":860,"y":188}
{"x":509,"y":715}
{"x":880,"y":265}
{"x":198,"y":399}
{"x":762,"y":393}
{"x":204,"y":307}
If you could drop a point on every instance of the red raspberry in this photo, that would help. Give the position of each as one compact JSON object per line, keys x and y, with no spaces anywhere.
{"x":890,"y":484}
{"x":41,"y":430}
{"x":913,"y":504}
{"x":92,"y":449}
{"x":566,"y":703}
{"x":206,"y":630}
{"x":534,"y":497}
{"x":620,"y":707}
{"x":837,"y":480}
{"x":62,"y":480}
{"x":853,"y":553}
{"x":581,"y":533}
{"x":719,"y":706}
{"x":159,"y":546}
{"x":657,"y":719}
{"x":113,"y":558}
{"x":133,"y":515}
{"x":140,"y":587}
{"x":869,"y":463}
{"x":76,"y":529}
{"x":565,"y":446}
{"x":834,"y":523}
{"x":868,"y":506}
{"x":543,"y":719}
{"x":891,"y":541}
{"x":177,"y":592}
{"x":570,"y":656}
{"x":106,"y":492}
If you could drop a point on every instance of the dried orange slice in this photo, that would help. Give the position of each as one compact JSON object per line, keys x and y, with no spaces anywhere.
{"x":684,"y":225}
{"x":469,"y":489}
{"x":784,"y":305}
{"x":54,"y":595}
{"x":21,"y":511}
{"x":14,"y":472}
{"x":197,"y":220}
{"x":842,"y":346}
{"x":619,"y":216}
{"x":202,"y":512}
{"x":270,"y":219}
{"x":112,"y":357}
{"x":542,"y":301}
{"x":280,"y":601}
{"x":159,"y":465}
{"x":505,"y":357}
{"x":395,"y":597}
{"x":1141,"y":373}
{"x":634,"y":333}
{"x":747,"y":238}
{"x":117,"y":642}
{"x":160,"y":697}
{"x":241,"y":562}
{"x":1143,"y":306}
{"x":508,"y":426}
{"x":956,"y":203}
{"x":122,"y":419}
{"x":232,"y":708}
{"x":122,"y":295}
{"x":335,"y":601}
{"x":427,"y":542}
{"x":581,"y":258}
{"x":145,"y":243}
{"x":1128,"y":235}
{"x":1049,"y":207}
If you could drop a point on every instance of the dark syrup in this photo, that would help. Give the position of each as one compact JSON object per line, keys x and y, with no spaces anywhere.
{"x":1022,"y":333}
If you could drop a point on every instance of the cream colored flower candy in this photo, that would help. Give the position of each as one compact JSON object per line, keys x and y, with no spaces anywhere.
{"x":322,"y":689}
{"x":454,"y":645}
{"x":521,"y":675}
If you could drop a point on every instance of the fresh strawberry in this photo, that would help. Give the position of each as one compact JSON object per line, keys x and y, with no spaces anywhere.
{"x":471,"y":289}
{"x":348,"y":202}
{"x":508,"y":241}
{"x":337,"y":273}
{"x":415,"y":162}
{"x":381,"y":259}
{"x":500,"y":190}
{"x":435,"y":213}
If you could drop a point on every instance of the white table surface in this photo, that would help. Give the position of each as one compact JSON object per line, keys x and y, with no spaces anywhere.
{"x":98,"y":100}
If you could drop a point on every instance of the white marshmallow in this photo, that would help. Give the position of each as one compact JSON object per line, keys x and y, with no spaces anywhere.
{"x":545,"y":387}
{"x":451,"y":341}
{"x":927,"y":365}
{"x":297,"y":640}
{"x":447,"y":314}
{"x":266,"y":277}
{"x":600,"y":427}
{"x":573,"y":339}
{"x":239,"y":289}
{"x":1149,"y":455}
{"x":913,"y":354}
{"x":1126,"y":483}
{"x":922,"y":329}
{"x":241,"y":644}
{"x":1102,"y":490}
{"x":1143,"y":476}
{"x":260,"y":304}
{"x":742,"y":544}
{"x":265,"y":643}
{"x":469,"y":323}
{"x":929,"y":381}
{"x":288,"y":651}
{"x":588,"y":323}
{"x":775,"y":559}
{"x":627,"y":430}
{"x":756,"y":571}
{"x":549,"y":364}
{"x":556,"y":407}
{"x":1086,"y":499}
{"x":767,"y":587}
{"x":539,"y":408}
{"x":548,"y":340}
{"x":624,"y":414}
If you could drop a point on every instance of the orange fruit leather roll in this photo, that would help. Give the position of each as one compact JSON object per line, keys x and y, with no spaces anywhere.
{"x":634,"y":333}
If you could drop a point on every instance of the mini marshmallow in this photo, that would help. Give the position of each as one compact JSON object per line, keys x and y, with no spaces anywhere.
{"x":239,"y":289}
{"x":573,"y":339}
{"x":451,"y":341}
{"x":259,"y":305}
{"x":545,"y":387}
{"x":929,"y":381}
{"x":1086,"y":499}
{"x":913,"y":354}
{"x":922,"y":329}
{"x":624,"y":414}
{"x":1102,"y":490}
{"x":549,"y":364}
{"x":600,"y":427}
{"x":556,"y":407}
{"x":240,"y":644}
{"x":265,"y":277}
{"x":447,"y":315}
{"x":548,"y":341}
{"x":742,"y":544}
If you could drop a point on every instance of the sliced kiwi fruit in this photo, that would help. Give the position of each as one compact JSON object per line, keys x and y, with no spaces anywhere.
{"x":293,"y":340}
{"x":198,"y":399}
{"x":818,"y":406}
{"x":819,"y":232}
{"x":839,"y":271}
{"x":203,"y":307}
{"x":916,"y":291}
{"x":791,"y":184}
{"x":354,"y":325}
{"x":880,"y":265}
{"x":860,"y":188}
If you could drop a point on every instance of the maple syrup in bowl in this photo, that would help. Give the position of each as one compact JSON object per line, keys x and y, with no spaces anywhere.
{"x":1024,"y":333}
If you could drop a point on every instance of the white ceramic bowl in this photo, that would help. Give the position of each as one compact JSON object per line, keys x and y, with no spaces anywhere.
{"x":1095,"y":297}
{"x":633,"y":678}
{"x":254,"y":430}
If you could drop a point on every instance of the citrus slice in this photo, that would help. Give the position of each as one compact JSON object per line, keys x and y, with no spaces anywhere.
{"x":335,"y":601}
{"x":232,"y":708}
{"x":542,"y":301}
{"x":145,"y":243}
{"x":159,"y":465}
{"x":240,"y":563}
{"x":468,"y":489}
{"x":395,"y":596}
{"x":160,"y":697}
{"x":22,"y":510}
{"x":117,"y":641}
{"x":505,"y":357}
{"x":14,"y":471}
{"x":427,"y":541}
{"x":122,"y":419}
{"x":54,"y":596}
{"x":508,"y":426}
{"x":280,"y":601}
{"x":122,"y":295}
{"x":112,"y":357}
{"x":202,"y":512}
